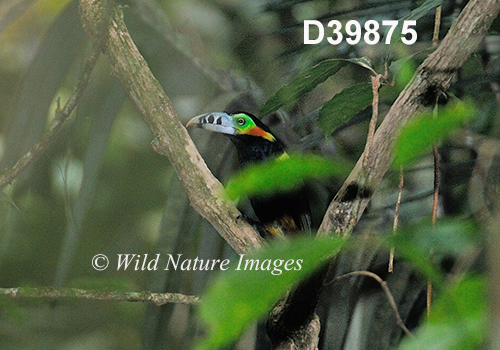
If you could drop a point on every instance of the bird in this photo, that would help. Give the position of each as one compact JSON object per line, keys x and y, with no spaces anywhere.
{"x":282,"y":213}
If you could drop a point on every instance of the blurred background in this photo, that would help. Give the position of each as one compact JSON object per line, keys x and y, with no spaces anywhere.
{"x":100,"y":188}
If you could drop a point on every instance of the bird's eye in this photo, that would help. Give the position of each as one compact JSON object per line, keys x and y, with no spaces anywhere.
{"x":241,"y":121}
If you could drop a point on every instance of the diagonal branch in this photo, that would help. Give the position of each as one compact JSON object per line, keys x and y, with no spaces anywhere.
{"x":171,"y":137}
{"x":60,"y":122}
{"x":432,"y":77}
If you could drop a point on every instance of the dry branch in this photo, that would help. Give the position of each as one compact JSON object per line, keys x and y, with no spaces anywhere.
{"x":432,"y":77}
{"x":171,"y":138}
{"x":51,"y":293}
{"x":388,"y":294}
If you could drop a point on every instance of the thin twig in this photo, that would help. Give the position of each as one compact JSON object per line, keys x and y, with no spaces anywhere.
{"x":437,"y":25}
{"x":435,"y":194}
{"x":495,"y":87}
{"x":435,"y":197}
{"x":387,"y":292}
{"x":396,"y":217}
{"x":74,"y":293}
{"x":429,"y":298}
{"x":373,"y":121}
{"x":435,"y":205}
{"x":60,"y":122}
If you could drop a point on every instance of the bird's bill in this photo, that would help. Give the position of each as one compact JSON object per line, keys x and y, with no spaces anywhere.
{"x":216,"y":121}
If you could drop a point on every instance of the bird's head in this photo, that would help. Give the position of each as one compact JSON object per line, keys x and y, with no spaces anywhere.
{"x":234,"y":124}
{"x":252,"y":138}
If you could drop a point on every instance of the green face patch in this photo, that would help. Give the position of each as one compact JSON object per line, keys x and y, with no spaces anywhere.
{"x":243,"y":122}
{"x":246,"y":126}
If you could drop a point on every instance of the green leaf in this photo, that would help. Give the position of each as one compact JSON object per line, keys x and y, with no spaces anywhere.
{"x":343,"y":106}
{"x":458,"y":319}
{"x":241,"y":296}
{"x":306,"y":81}
{"x":422,"y":10}
{"x":450,"y":237}
{"x":4,"y":197}
{"x":303,"y":83}
{"x":446,"y":238}
{"x":416,"y":14}
{"x":364,"y":62}
{"x":418,"y":135}
{"x":403,"y":70}
{"x":283,"y":174}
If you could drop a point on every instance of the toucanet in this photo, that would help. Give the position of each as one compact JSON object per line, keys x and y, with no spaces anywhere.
{"x":282,"y":213}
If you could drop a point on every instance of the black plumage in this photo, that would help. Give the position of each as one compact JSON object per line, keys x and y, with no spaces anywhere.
{"x":282,"y":212}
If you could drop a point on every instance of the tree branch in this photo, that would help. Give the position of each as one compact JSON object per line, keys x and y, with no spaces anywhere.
{"x":387,"y":291}
{"x":74,"y":293}
{"x":432,"y":77}
{"x":171,"y":137}
{"x":60,"y":122}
